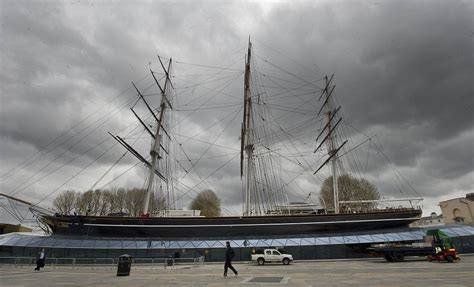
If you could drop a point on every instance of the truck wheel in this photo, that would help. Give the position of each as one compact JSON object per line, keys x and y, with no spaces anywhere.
{"x":388,"y":257}
{"x":286,"y":261}
{"x":398,"y":257}
{"x":449,"y":258}
{"x":260,"y":261}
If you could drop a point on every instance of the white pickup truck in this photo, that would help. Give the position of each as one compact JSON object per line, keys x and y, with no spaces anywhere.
{"x":272,"y":255}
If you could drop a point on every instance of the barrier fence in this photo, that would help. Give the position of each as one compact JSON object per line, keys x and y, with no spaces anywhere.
{"x":166,"y":262}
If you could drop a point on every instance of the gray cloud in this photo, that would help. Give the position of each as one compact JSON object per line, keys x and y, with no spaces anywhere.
{"x":403,"y":71}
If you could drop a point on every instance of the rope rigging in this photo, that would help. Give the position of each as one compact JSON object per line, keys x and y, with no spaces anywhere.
{"x":282,"y":123}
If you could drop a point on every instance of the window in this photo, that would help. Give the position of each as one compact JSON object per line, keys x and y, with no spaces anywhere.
{"x":456,"y":212}
{"x":459,"y":219}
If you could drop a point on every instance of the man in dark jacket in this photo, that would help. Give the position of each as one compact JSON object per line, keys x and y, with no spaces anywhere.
{"x":229,"y":254}
{"x":40,"y":258}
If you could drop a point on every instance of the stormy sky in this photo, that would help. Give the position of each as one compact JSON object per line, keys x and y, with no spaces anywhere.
{"x":403,"y":69}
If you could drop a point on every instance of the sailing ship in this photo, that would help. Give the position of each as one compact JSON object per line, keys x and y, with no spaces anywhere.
{"x":266,"y":211}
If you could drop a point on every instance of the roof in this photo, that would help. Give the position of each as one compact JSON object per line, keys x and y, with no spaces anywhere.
{"x":407,"y":234}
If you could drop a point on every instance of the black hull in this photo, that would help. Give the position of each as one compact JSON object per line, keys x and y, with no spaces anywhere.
{"x":225,"y":227}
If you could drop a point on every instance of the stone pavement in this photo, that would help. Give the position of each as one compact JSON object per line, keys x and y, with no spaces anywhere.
{"x":372,"y":272}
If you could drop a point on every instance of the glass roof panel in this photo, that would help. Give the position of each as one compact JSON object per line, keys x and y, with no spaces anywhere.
{"x":280,"y":242}
{"x":237,"y":243}
{"x":418,"y":233}
{"x":393,"y":236}
{"x":336,"y":240}
{"x":4,"y":239}
{"x":379,"y":237}
{"x":265,"y":242}
{"x":308,"y":241}
{"x":36,"y":241}
{"x":61,"y":243}
{"x":203,"y":244}
{"x":129,"y":244}
{"x":246,"y":243}
{"x":22,"y":241}
{"x":174,"y":244}
{"x":409,"y":236}
{"x":141,"y":244}
{"x":214,"y":243}
{"x":47,"y":242}
{"x":74,"y":243}
{"x":88,"y":243}
{"x":322,"y":240}
{"x":467,"y":230}
{"x":365,"y":238}
{"x":101,"y":244}
{"x":252,"y":242}
{"x":452,"y":232}
{"x":189,"y":244}
{"x":293,"y":242}
{"x":160,"y":244}
{"x":351,"y":239}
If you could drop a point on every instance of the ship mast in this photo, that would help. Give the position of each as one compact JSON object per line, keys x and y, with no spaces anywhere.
{"x":330,"y":139}
{"x":260,"y":171}
{"x":156,"y":144}
{"x":246,"y":134}
{"x":331,"y":143}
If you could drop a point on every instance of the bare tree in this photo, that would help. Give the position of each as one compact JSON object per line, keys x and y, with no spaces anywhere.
{"x":208,"y":202}
{"x":103,"y":202}
{"x":84,"y":203}
{"x":96,"y":202}
{"x":350,"y":188}
{"x":120,"y":197}
{"x":134,"y":202}
{"x":64,"y":203}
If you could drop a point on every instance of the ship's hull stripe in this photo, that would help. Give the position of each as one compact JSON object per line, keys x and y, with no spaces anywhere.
{"x":248,"y":224}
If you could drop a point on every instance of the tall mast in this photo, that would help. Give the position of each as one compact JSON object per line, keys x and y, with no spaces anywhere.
{"x":330,"y":139}
{"x":155,"y":147}
{"x":332,"y":144}
{"x":246,"y":136}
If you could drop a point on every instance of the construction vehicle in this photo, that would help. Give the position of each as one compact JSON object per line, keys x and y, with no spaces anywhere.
{"x":436,"y":246}
{"x":443,"y":247}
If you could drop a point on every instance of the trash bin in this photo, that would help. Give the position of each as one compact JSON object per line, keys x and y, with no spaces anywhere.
{"x":169,"y":261}
{"x":124,"y":265}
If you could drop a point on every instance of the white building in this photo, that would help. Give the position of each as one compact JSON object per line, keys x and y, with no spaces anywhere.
{"x":432,"y":220}
{"x":458,"y":210}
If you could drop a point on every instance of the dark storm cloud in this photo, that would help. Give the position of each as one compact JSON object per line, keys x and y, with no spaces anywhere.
{"x":403,"y":72}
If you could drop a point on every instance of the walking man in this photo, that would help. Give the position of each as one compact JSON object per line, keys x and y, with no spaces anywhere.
{"x":40,"y":259}
{"x":229,"y":254}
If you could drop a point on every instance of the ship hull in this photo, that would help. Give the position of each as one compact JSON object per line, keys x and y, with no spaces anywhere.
{"x":225,"y":227}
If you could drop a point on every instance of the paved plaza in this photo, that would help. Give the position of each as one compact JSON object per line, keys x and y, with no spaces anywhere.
{"x":370,"y":272}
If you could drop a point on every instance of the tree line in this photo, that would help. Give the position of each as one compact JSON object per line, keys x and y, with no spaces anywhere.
{"x":118,"y":201}
{"x":129,"y":202}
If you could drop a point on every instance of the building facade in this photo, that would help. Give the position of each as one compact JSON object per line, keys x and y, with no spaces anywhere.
{"x":426,"y":221}
{"x":458,"y":210}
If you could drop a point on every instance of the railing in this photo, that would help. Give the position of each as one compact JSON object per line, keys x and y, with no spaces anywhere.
{"x":95,"y":263}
